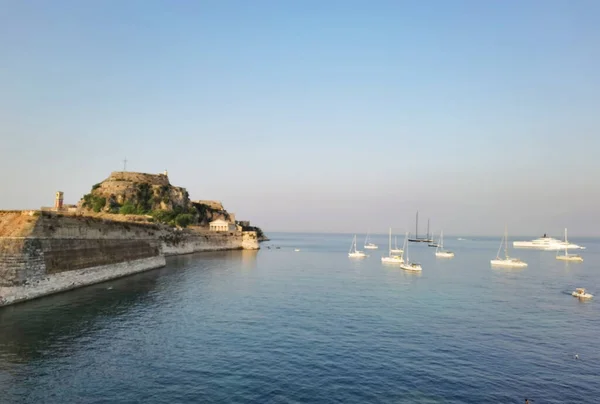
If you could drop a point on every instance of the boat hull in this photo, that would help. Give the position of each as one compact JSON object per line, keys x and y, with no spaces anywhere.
{"x":371,"y":247}
{"x":396,"y":251}
{"x":413,"y":267}
{"x":582,"y":295}
{"x":392,"y":260}
{"x":357,"y":255}
{"x":546,"y":246}
{"x":444,"y":254}
{"x":419,"y":240}
{"x":569,"y":258}
{"x":508,"y":263}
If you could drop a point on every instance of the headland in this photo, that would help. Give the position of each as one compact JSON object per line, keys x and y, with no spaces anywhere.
{"x":128,"y":223}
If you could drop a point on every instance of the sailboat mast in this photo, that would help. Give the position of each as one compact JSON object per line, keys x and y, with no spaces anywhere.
{"x":390,"y":244}
{"x":417,"y":226}
{"x":566,"y":243}
{"x":427,"y":229}
{"x":505,"y":242}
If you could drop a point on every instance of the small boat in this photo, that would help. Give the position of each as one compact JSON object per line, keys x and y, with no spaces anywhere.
{"x":396,"y":250}
{"x":354,"y":253}
{"x":392,"y":258}
{"x":433,"y":243}
{"x":440,"y":252}
{"x":581,"y":293}
{"x":506,"y":261}
{"x":566,"y":256}
{"x":406,"y":264}
{"x":418,"y":239}
{"x":296,"y":249}
{"x":368,"y":245}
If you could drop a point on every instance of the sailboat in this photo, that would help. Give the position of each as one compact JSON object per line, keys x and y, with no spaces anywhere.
{"x":369,"y":245}
{"x":440,"y":252}
{"x":406,"y":264}
{"x":417,"y":239}
{"x":396,"y":250}
{"x":433,"y":243}
{"x":354,"y":253}
{"x":391,"y":258}
{"x":567,"y":256}
{"x":507,"y":261}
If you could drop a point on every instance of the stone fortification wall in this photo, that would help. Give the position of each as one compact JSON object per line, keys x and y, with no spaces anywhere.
{"x":43,"y":252}
{"x":204,"y":240}
{"x":68,"y":280}
{"x":152,"y":179}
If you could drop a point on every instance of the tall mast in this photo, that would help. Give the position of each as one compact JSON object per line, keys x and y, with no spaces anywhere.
{"x":417,"y":226}
{"x":566,"y":243}
{"x":390,"y":244}
{"x":505,"y":242}
{"x":427,"y":229}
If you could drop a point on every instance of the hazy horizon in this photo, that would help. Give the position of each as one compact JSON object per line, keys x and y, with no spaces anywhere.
{"x":313,"y":116}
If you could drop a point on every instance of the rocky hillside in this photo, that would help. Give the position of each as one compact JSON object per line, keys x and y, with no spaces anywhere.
{"x":153,"y":196}
{"x":126,"y":192}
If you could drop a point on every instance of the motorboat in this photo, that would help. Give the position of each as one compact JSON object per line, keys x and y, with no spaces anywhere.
{"x":582,"y":294}
{"x":507,"y":261}
{"x":547,"y":244}
{"x":354,"y":253}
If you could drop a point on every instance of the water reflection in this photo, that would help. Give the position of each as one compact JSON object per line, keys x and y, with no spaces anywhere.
{"x":29,"y":329}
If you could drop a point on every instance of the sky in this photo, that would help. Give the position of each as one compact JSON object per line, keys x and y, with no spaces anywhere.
{"x":316,"y":116}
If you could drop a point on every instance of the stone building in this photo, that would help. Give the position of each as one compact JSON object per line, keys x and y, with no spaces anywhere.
{"x":221,"y":225}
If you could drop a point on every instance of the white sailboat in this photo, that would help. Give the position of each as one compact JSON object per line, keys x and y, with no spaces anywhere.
{"x":566,"y":256}
{"x":396,"y":250}
{"x":369,"y":245}
{"x":507,"y":261}
{"x":392,"y":258}
{"x":439,"y":251}
{"x":354,"y":253}
{"x":406,"y":264}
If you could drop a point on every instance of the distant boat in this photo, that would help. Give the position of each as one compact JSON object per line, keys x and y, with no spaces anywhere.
{"x":417,"y":239}
{"x":392,"y":258}
{"x":396,"y":250}
{"x":369,"y":245}
{"x":296,"y":249}
{"x":406,"y":264}
{"x":354,"y":253}
{"x":433,"y":243}
{"x":440,"y":252}
{"x":546,"y":243}
{"x":566,"y":256}
{"x":507,"y":261}
{"x":581,"y":293}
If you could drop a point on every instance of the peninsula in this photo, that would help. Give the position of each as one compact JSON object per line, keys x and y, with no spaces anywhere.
{"x":126,"y":224}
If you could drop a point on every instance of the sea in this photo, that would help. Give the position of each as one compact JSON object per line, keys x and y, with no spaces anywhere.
{"x":314,"y":326}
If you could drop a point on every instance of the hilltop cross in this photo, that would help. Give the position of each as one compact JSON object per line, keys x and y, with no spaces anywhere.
{"x":125,"y":164}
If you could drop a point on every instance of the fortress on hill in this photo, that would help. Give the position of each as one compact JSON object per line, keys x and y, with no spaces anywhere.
{"x":126,"y":224}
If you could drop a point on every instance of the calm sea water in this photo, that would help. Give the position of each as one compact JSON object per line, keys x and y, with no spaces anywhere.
{"x":278,"y":326}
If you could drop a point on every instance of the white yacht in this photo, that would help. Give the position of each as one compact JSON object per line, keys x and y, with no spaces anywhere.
{"x":368,"y":245}
{"x":354,"y":253}
{"x":406,"y":264}
{"x":506,"y":261}
{"x":546,"y":243}
{"x":392,"y":258}
{"x":581,"y":293}
{"x":566,"y":256}
{"x":440,"y":252}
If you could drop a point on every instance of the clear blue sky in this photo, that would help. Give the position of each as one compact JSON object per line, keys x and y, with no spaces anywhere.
{"x":313,"y":115}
